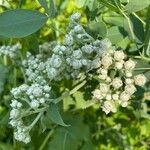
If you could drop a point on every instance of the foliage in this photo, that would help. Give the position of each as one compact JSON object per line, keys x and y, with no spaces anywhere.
{"x":72,"y":119}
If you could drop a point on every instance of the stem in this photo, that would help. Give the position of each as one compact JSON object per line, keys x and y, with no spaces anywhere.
{"x":67,"y":93}
{"x":139,"y":18}
{"x":141,"y":69}
{"x":128,"y":20}
{"x":148,"y":47}
{"x":143,"y":57}
{"x":5,"y":60}
{"x":34,"y":112}
{"x":46,"y":139}
{"x":77,"y":87}
{"x":35,"y":121}
{"x":15,"y":77}
{"x":21,"y":68}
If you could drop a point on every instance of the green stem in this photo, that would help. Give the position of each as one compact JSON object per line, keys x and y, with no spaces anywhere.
{"x":21,"y":68}
{"x":5,"y":60}
{"x":128,"y":20}
{"x":136,"y":69}
{"x":46,"y":139}
{"x":15,"y":77}
{"x":142,"y":57}
{"x":35,"y":121}
{"x":77,"y":87}
{"x":67,"y":93}
{"x":139,"y":18}
{"x":34,"y":112}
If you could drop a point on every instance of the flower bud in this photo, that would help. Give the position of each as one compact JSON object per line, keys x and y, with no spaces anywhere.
{"x":130,"y":89}
{"x":106,"y":61}
{"x":124,"y":96}
{"x":117,"y":83}
{"x":140,"y":79}
{"x":118,"y":65}
{"x":119,"y":55}
{"x":129,"y":65}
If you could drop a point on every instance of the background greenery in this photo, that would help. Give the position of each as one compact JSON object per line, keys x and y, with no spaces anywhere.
{"x":127,"y":24}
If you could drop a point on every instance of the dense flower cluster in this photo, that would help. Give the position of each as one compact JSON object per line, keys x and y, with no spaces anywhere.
{"x":78,"y":53}
{"x":27,"y":98}
{"x":117,"y":83}
{"x":11,"y":51}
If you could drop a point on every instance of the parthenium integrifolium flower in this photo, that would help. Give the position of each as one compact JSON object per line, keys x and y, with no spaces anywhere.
{"x":27,"y":98}
{"x":11,"y":51}
{"x":79,"y":53}
{"x":118,"y":82}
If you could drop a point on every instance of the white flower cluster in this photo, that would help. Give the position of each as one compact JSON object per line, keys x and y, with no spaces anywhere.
{"x":11,"y":51}
{"x":117,"y":83}
{"x":79,"y":53}
{"x":26,"y":97}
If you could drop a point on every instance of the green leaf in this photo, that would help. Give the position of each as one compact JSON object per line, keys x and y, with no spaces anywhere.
{"x":136,"y":5}
{"x":80,"y":3}
{"x":52,"y":9}
{"x":70,"y":138}
{"x":98,"y":28}
{"x":44,"y":4}
{"x":147,"y":34}
{"x":54,"y":115}
{"x":3,"y":77}
{"x":20,"y":22}
{"x":137,"y":27}
{"x":113,"y":19}
{"x":109,"y":4}
{"x":116,"y":34}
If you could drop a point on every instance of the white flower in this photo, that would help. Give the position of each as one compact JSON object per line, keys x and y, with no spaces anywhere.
{"x":128,"y":73}
{"x":78,"y":28}
{"x":47,"y":88}
{"x":104,"y":71}
{"x":14,"y":113}
{"x":97,"y":94}
{"x":87,"y":49}
{"x":52,"y":73}
{"x":42,"y":100}
{"x":129,"y":81}
{"x":76,"y":64}
{"x":108,"y":80}
{"x":119,"y":65}
{"x":124,"y":96}
{"x":77,"y":54}
{"x":108,"y":97}
{"x":109,"y":106}
{"x":140,"y":79}
{"x":13,"y":123}
{"x":119,"y":55}
{"x":75,"y":16}
{"x":34,"y":104}
{"x":68,"y":40}
{"x":129,"y":65}
{"x":23,"y":87}
{"x":37,"y":91}
{"x":124,"y":103}
{"x":117,"y":83}
{"x":115,"y":96}
{"x":104,"y":88}
{"x":106,"y":61}
{"x":55,"y":61}
{"x":102,"y":77}
{"x":130,"y":89}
